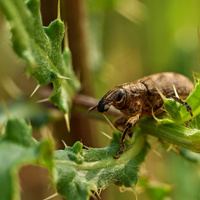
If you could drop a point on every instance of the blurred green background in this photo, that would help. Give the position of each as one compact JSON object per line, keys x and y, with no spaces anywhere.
{"x":125,"y":40}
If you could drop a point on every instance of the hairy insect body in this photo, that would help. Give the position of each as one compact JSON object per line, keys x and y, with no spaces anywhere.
{"x":141,"y":98}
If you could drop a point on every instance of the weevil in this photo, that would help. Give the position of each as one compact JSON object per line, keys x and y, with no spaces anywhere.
{"x":141,"y":98}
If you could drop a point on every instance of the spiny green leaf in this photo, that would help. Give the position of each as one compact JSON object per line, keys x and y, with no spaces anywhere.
{"x":178,"y":112}
{"x":17,"y":148}
{"x":193,"y":100}
{"x":178,"y":127}
{"x":41,"y":48}
{"x":78,"y":171}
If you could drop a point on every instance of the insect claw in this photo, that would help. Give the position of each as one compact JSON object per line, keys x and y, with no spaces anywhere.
{"x":120,"y":152}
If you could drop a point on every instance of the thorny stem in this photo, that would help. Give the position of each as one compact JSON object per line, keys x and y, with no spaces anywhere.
{"x":77,"y":38}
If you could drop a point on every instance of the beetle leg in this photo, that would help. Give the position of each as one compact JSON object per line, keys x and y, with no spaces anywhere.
{"x":129,"y":124}
{"x":120,"y":121}
{"x":189,"y":109}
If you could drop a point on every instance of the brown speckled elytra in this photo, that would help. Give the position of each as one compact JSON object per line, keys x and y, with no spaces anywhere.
{"x":141,"y":98}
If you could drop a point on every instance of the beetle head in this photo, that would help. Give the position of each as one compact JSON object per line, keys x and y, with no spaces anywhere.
{"x":115,"y":97}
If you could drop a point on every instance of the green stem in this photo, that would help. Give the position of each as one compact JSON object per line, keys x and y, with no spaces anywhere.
{"x":172,"y":132}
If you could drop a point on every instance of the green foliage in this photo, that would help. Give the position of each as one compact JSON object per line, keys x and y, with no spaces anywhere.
{"x":41,"y":48}
{"x":156,"y":190}
{"x":78,"y":171}
{"x":75,"y":171}
{"x":17,"y":148}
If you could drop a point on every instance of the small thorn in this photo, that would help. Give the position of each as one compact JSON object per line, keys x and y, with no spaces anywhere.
{"x":171,"y":146}
{"x":93,"y":196}
{"x":35,"y":90}
{"x":98,"y":192}
{"x":107,"y":136}
{"x":52,"y":196}
{"x":58,"y":15}
{"x":110,"y":123}
{"x":42,"y":100}
{"x":155,"y":116}
{"x":175,"y":91}
{"x":135,"y":193}
{"x":92,"y":108}
{"x":86,"y":147}
{"x":157,"y":153}
{"x":195,"y":77}
{"x":67,"y":121}
{"x":64,"y":143}
{"x":153,"y":148}
{"x":161,"y":94}
{"x":63,"y":77}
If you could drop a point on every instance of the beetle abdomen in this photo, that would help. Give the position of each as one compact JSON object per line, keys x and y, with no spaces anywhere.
{"x":165,"y":82}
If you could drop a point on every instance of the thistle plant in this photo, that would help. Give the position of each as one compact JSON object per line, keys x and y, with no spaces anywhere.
{"x":77,"y":172}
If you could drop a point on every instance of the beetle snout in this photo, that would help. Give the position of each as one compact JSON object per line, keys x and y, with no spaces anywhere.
{"x":103,"y":107}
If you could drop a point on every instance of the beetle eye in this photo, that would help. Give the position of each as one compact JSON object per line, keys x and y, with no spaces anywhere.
{"x":120,"y":95}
